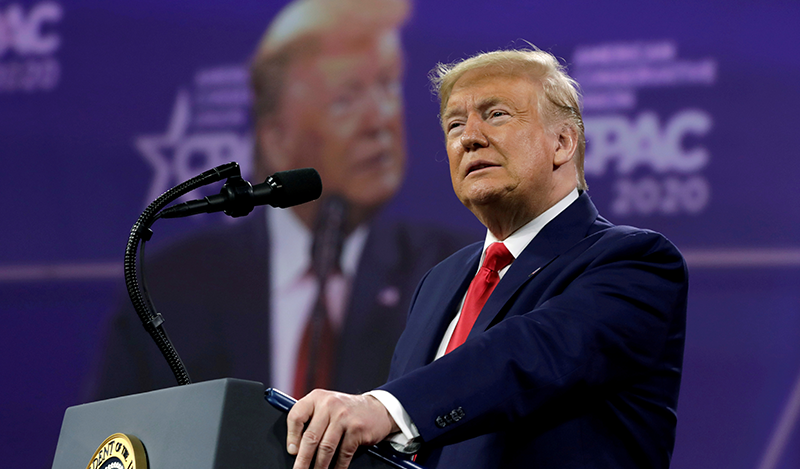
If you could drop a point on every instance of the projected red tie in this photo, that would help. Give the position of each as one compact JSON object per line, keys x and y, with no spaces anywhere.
{"x":316,"y":356}
{"x":497,"y":258}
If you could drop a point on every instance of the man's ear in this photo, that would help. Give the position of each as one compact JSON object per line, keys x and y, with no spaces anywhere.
{"x":566,"y":144}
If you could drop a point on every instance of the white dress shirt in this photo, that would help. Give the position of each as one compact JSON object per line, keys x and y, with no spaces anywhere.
{"x":293,"y":288}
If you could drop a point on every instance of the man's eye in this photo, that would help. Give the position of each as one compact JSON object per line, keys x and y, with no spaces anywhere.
{"x":498,"y":113}
{"x":453,"y":125}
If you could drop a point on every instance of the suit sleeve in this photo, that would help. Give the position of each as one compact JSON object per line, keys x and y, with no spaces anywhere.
{"x":605,"y":320}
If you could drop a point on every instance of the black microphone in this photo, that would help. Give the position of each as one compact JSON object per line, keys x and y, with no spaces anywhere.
{"x":238,"y":197}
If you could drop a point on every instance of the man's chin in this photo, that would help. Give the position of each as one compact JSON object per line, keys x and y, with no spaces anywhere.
{"x":364,"y":202}
{"x":370,"y":188}
{"x":482,"y":195}
{"x":369,"y":201}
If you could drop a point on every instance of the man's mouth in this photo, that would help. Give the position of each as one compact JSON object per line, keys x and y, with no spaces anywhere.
{"x":373,"y":161}
{"x":479,"y":165}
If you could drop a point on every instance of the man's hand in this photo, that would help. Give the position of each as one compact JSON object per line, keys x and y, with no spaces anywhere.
{"x":335,"y":420}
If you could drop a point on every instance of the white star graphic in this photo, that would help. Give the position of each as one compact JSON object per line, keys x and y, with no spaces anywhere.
{"x":156,"y":148}
{"x":176,"y":155}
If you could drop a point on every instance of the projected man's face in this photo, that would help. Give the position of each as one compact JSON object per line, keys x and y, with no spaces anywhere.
{"x":342,"y":114}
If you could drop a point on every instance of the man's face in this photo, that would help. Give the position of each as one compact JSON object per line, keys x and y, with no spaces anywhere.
{"x":342,"y":114}
{"x":501,"y":156}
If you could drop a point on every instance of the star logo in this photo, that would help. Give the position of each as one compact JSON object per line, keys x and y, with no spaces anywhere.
{"x":178,"y":154}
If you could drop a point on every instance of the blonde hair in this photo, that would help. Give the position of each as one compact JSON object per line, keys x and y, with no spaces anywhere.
{"x":300,"y":29}
{"x":560,"y":102}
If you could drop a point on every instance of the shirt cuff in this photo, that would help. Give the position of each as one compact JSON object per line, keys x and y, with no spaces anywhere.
{"x":408,"y":440}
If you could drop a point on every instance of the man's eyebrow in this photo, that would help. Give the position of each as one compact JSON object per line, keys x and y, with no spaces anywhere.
{"x":482,"y":105}
{"x":452,"y":111}
{"x":489,"y":101}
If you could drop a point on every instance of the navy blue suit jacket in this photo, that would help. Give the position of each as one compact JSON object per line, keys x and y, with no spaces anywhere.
{"x":213,"y":290}
{"x":574,"y":362}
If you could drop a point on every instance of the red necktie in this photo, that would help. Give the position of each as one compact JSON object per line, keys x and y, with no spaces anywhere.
{"x":497,"y":258}
{"x":316,"y":356}
{"x":315,"y":359}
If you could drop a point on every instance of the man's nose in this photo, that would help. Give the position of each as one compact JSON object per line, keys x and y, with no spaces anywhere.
{"x":382,"y":103}
{"x":473,"y":137}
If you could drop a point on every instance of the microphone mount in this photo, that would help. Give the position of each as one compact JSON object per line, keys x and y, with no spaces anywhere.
{"x":238,"y":197}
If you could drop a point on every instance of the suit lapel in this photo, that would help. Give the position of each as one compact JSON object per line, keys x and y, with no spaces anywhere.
{"x":563,"y":232}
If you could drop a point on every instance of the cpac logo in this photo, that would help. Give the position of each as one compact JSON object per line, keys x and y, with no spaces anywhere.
{"x":644,"y":144}
{"x":655,"y":161}
{"x":177,"y":156}
{"x":28,"y":34}
{"x":27,"y":48}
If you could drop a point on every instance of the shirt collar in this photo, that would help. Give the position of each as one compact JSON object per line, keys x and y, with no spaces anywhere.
{"x":294,"y":256}
{"x":519,"y":240}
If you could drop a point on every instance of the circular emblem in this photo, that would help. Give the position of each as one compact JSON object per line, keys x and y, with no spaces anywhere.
{"x":119,"y":451}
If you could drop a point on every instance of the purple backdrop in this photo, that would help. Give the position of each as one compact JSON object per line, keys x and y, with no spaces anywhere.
{"x":689,"y":116}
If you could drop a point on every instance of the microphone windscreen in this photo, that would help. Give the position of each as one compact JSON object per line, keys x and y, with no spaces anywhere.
{"x":298,"y":186}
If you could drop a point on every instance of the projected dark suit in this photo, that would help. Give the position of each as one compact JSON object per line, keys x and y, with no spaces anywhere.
{"x":213,"y":290}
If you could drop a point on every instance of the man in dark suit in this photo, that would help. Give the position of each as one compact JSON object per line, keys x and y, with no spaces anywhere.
{"x":239,"y":301}
{"x":569,"y":357}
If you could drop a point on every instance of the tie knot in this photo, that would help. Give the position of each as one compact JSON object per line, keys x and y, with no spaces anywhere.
{"x":497,"y":257}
